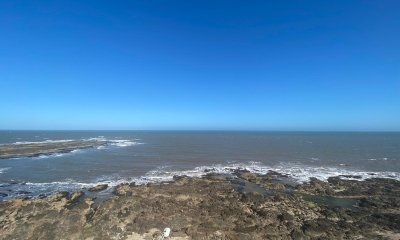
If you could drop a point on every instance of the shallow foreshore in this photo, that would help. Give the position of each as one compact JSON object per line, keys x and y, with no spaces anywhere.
{"x":46,"y":148}
{"x":242,"y":206}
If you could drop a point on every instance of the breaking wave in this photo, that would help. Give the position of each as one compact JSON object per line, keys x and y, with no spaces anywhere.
{"x":298,"y":173}
{"x":43,"y":142}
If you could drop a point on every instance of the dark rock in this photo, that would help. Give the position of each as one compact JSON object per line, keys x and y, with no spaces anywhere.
{"x":12,"y":181}
{"x":98,"y":188}
{"x":297,"y":234}
{"x":3,"y":194}
{"x":366,"y":203}
{"x":351,"y":176}
{"x":75,"y":196}
{"x":23,"y":192}
{"x":209,"y":170}
{"x":285,"y":216}
{"x":276,"y":174}
{"x":41,"y":196}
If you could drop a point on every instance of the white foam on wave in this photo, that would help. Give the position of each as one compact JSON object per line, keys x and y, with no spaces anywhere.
{"x":3,"y":170}
{"x":303,"y":173}
{"x":43,"y":142}
{"x":56,"y":155}
{"x":114,"y":142}
{"x":99,"y":138}
{"x":70,"y":185}
{"x":378,"y":159}
{"x":123,"y":143}
{"x":299,"y":173}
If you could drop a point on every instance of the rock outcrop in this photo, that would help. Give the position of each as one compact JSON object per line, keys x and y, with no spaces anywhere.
{"x":47,"y":148}
{"x":98,"y":188}
{"x":213,"y":207}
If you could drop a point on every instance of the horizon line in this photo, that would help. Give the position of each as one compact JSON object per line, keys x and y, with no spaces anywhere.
{"x":207,"y":130}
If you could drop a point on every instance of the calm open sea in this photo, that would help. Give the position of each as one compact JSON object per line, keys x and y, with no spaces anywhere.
{"x":152,"y":156}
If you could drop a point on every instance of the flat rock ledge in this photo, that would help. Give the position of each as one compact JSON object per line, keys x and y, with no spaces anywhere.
{"x":246,"y":206}
{"x":46,"y":148}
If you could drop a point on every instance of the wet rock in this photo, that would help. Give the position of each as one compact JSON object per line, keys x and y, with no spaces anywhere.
{"x":76,"y":196}
{"x":12,"y":181}
{"x":98,"y":188}
{"x":367,"y":203}
{"x":23,"y":192}
{"x":350,"y":176}
{"x":209,"y":170}
{"x":3,"y":194}
{"x":41,"y":196}
{"x":276,"y":174}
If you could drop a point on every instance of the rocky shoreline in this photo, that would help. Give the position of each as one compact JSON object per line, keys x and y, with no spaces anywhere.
{"x":47,"y":148}
{"x":239,"y":206}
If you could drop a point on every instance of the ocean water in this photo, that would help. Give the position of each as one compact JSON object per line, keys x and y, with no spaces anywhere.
{"x":154,"y":156}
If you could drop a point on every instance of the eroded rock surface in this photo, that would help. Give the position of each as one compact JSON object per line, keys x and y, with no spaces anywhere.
{"x":212,"y":208}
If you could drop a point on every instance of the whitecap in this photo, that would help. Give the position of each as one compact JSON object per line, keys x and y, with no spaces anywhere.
{"x":43,"y":142}
{"x":3,"y":170}
{"x":376,"y":159}
{"x":123,"y":143}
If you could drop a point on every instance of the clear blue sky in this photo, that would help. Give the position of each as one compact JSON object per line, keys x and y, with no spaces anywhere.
{"x":252,"y":65}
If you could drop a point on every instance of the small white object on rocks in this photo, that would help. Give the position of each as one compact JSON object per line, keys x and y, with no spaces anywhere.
{"x":167,"y":232}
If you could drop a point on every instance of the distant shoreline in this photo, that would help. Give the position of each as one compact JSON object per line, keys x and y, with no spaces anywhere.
{"x":33,"y":149}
